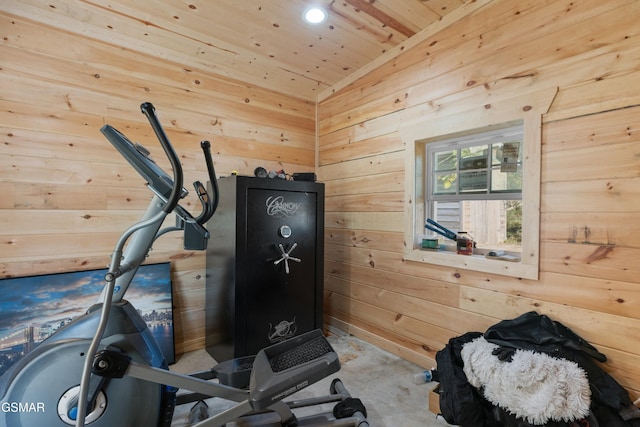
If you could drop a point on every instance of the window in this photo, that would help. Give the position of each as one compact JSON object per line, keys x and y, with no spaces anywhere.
{"x":474,"y":185}
{"x":472,"y":164}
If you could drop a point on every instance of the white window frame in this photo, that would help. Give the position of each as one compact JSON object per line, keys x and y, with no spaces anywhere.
{"x":458,"y":117}
{"x":480,"y":137}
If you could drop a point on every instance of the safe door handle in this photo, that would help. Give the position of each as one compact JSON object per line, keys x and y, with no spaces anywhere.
{"x":286,"y":256}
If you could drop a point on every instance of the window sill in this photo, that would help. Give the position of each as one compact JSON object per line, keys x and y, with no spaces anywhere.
{"x":520,"y":269}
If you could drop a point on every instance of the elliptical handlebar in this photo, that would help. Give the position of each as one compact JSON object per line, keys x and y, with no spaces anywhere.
{"x":211,"y":207}
{"x":149,"y":111}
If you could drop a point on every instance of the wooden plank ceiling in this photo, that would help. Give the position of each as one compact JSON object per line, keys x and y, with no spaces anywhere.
{"x":262,"y":42}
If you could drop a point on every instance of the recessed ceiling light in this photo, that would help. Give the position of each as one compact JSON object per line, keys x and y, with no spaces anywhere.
{"x":314,"y":15}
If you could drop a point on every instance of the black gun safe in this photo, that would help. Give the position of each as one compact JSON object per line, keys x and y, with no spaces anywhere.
{"x":264,"y":280}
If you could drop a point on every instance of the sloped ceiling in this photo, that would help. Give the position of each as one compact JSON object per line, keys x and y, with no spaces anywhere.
{"x":262,"y":42}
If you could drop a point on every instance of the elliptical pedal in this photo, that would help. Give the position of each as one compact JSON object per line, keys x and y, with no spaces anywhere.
{"x":289,"y":366}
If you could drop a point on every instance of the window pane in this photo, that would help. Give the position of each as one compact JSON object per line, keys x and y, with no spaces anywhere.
{"x":444,"y":183}
{"x":506,"y":155}
{"x":474,"y":157}
{"x":506,"y":181}
{"x":474,"y":181}
{"x":514,"y":222}
{"x":448,"y":214}
{"x":493,"y":224}
{"x":445,"y":160}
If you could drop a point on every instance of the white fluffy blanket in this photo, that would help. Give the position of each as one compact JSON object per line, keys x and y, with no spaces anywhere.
{"x":533,"y":386}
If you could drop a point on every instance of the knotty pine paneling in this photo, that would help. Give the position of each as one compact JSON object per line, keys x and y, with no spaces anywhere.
{"x":265,"y":44}
{"x":590,"y":171}
{"x":68,"y":194}
{"x":62,"y":182}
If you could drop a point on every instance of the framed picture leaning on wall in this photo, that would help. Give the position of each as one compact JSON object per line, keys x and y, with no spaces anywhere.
{"x":34,"y":307}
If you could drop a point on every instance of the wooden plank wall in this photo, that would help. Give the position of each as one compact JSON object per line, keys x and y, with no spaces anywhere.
{"x":590,"y":191}
{"x":67,"y":194}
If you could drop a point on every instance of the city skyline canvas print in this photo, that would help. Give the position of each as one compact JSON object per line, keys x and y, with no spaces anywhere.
{"x":34,"y":307}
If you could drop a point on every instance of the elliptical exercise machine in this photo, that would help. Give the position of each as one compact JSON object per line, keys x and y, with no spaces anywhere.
{"x":105,"y":369}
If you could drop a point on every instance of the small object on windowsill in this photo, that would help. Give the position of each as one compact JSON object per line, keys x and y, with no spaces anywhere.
{"x":464,"y":243}
{"x":502,"y":255}
{"x":430,"y":244}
